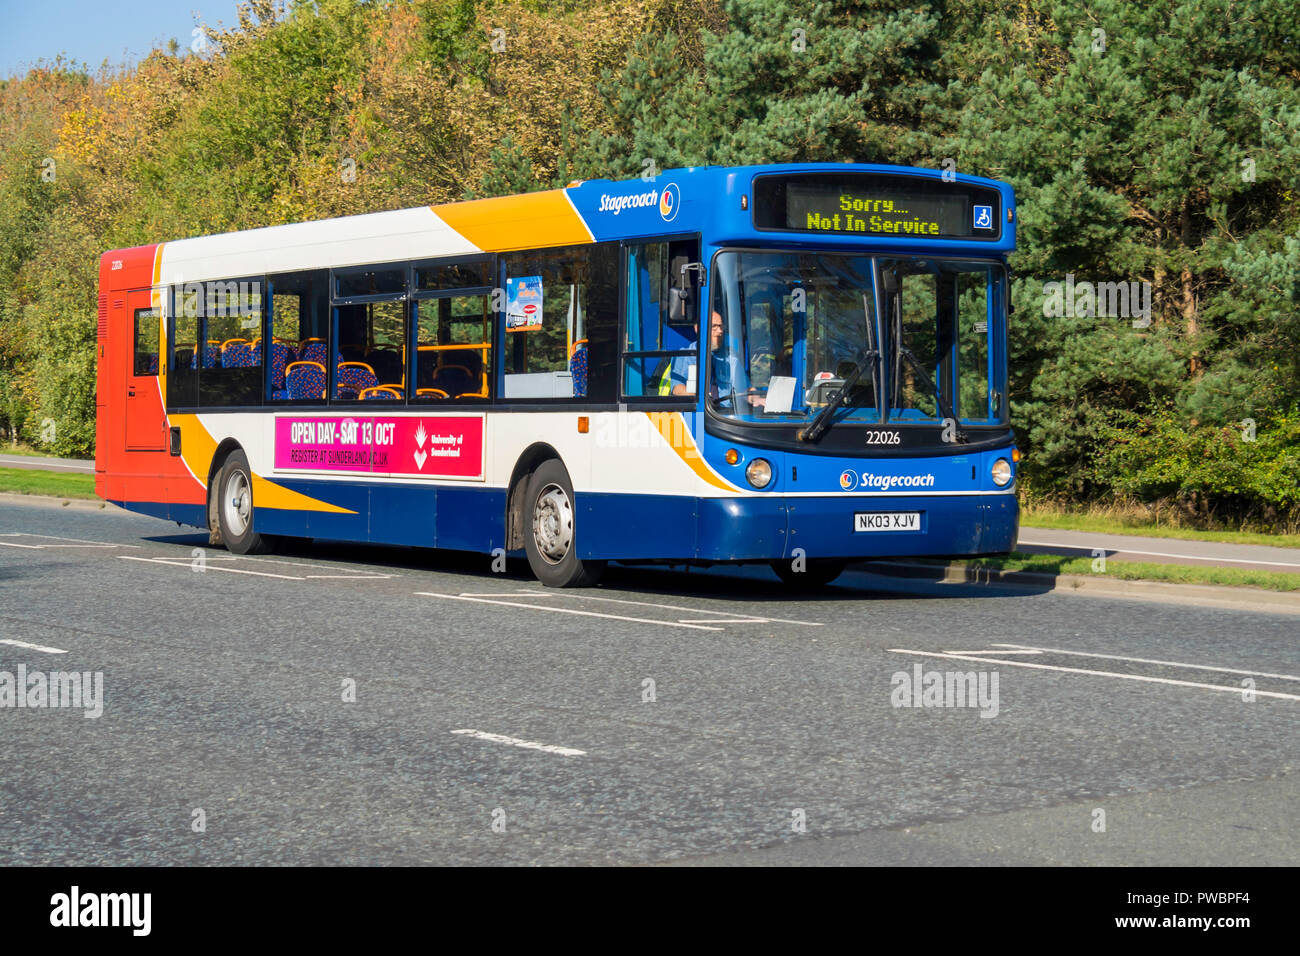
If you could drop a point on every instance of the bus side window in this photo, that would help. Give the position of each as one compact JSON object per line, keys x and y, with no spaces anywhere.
{"x":561,"y":313}
{"x":370,"y":353}
{"x":145,"y":359}
{"x":230,"y":343}
{"x":454,"y":331}
{"x":661,"y":346}
{"x":297,"y":348}
{"x":453,"y":347}
{"x":183,"y":374}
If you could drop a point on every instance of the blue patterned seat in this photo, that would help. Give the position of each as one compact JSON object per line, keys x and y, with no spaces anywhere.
{"x":306,"y":381}
{"x":281,"y":355}
{"x":212,"y":354}
{"x":238,"y":353}
{"x":353,"y":378}
{"x":382,"y":393}
{"x":313,"y":350}
{"x":578,"y":369}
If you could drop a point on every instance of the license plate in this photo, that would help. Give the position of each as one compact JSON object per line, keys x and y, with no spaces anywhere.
{"x":887,"y":521}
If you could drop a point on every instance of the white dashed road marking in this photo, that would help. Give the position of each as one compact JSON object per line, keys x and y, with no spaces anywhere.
{"x":211,"y":562}
{"x":566,"y":610}
{"x":735,"y":618}
{"x":1229,"y":688}
{"x":526,"y":744}
{"x":71,"y":542}
{"x":33,"y":647}
{"x":1028,"y":649}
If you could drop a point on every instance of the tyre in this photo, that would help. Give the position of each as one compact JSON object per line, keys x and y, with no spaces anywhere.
{"x":817,"y":572}
{"x":550,"y":531}
{"x":235,"y":508}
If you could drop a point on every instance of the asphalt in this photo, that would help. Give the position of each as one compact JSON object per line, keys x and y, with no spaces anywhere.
{"x":772,"y":736}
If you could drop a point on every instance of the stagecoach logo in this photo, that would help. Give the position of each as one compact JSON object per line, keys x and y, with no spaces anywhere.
{"x":849,"y":480}
{"x":668,"y":201}
{"x":616,"y":204}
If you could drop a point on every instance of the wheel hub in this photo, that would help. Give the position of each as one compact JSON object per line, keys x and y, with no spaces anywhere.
{"x":237,"y":507}
{"x":553,"y":524}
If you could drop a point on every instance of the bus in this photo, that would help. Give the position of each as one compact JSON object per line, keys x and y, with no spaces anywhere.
{"x":799,"y":365}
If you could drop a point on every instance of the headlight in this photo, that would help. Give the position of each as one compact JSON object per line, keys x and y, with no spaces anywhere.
{"x":1001,"y":472}
{"x":759,"y":473}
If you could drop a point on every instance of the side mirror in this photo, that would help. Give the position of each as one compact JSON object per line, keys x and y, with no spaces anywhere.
{"x":679,"y":306}
{"x":687,"y":272}
{"x":680,"y":294}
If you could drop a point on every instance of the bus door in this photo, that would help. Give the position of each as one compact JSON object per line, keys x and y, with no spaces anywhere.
{"x":145,"y":420}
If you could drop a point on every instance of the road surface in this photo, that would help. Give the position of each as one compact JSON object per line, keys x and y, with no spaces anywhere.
{"x":349,"y":705}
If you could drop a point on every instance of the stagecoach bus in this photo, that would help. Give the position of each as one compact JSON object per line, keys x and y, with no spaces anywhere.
{"x":798,"y":365}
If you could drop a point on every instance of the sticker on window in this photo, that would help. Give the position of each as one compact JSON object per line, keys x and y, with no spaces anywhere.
{"x":780,"y":394}
{"x":524,"y":304}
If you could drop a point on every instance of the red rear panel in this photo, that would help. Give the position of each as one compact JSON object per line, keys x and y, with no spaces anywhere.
{"x":132,"y":463}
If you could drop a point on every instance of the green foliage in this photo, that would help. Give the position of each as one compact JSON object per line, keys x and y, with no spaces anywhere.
{"x":783,"y":82}
{"x":1214,"y":471}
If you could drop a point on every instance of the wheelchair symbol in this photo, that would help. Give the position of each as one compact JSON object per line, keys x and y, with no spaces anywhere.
{"x":983,"y":217}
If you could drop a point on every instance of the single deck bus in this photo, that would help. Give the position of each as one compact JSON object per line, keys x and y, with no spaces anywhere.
{"x":799,"y":365}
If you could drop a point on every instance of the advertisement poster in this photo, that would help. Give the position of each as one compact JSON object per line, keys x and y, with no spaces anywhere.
{"x":524,"y":304}
{"x":449,"y":446}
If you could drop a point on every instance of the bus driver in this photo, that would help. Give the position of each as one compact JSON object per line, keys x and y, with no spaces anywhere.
{"x":722,"y":366}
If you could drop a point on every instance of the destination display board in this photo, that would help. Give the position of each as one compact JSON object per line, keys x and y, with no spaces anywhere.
{"x":871,"y":204}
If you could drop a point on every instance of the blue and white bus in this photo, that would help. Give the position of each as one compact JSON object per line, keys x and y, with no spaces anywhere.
{"x":800,"y":365}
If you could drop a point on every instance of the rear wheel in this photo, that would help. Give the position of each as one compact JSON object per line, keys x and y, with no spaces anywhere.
{"x":816,"y":573}
{"x":550,"y":531}
{"x":235,"y":508}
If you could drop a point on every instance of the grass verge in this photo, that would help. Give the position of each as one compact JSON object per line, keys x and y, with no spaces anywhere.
{"x":54,"y":483}
{"x":25,"y":450}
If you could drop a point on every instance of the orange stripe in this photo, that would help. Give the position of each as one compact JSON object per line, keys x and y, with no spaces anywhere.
{"x":672,"y":426}
{"x":531,"y":221}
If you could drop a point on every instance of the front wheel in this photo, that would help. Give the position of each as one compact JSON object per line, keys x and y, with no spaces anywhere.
{"x":816,"y":572}
{"x":550,"y":531}
{"x":235,"y":508}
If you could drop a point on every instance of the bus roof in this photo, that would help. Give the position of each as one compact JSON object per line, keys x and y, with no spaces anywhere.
{"x":717,"y":201}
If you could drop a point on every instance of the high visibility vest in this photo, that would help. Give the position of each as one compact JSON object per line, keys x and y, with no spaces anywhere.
{"x":666,"y":378}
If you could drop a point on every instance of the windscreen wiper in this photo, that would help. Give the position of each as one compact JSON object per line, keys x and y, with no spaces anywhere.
{"x":939,"y":400}
{"x":817,"y":427}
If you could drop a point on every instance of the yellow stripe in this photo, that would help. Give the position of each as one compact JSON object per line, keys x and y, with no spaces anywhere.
{"x":198,"y":447}
{"x":532,"y":221}
{"x":267,"y":494}
{"x":672,"y":426}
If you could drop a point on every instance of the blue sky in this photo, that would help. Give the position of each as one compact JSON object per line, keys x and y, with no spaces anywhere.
{"x":91,"y":31}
